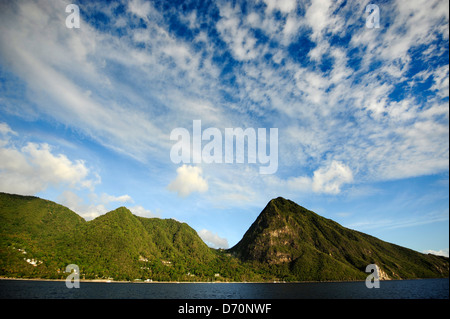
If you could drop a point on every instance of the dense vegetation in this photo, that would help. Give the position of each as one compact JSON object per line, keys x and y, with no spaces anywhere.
{"x":39,"y":238}
{"x":293,"y":243}
{"x":117,"y":245}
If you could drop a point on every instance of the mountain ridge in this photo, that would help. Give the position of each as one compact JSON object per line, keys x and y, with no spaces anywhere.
{"x":289,"y":237}
{"x":286,"y":242}
{"x":116,"y":245}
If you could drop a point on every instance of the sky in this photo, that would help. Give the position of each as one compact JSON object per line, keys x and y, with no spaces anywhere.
{"x":88,"y":111}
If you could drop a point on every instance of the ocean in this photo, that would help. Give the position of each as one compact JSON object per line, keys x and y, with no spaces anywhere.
{"x":395,"y":289}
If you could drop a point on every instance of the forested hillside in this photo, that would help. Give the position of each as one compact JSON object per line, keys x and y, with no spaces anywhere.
{"x":39,"y":238}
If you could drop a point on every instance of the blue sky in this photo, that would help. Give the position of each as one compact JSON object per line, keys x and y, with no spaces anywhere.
{"x":362,"y":113}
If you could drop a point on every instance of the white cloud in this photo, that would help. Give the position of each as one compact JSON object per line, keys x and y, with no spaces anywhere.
{"x":331,"y":178}
{"x":93,"y":205}
{"x":321,"y":18}
{"x":404,"y":151}
{"x":188,"y":180}
{"x":344,"y":112}
{"x":240,"y":39}
{"x":442,"y":252}
{"x":312,"y":85}
{"x":230,"y":187}
{"x":5,"y":129}
{"x":328,"y":179}
{"x":440,"y":78}
{"x":411,"y":24}
{"x":393,"y":223}
{"x":5,"y":132}
{"x":140,"y":8}
{"x":121,"y":199}
{"x":213,"y":240}
{"x":284,"y":6}
{"x":76,"y":203}
{"x":34,"y":168}
{"x":60,"y":89}
{"x":143,"y":212}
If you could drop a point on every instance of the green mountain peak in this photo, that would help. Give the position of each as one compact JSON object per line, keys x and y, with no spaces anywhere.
{"x":288,"y":239}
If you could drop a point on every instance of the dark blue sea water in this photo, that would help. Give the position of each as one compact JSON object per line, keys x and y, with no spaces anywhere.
{"x":396,"y":289}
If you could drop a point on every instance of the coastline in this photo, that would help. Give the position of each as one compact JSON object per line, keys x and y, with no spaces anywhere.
{"x":179,"y":282}
{"x":197,"y":282}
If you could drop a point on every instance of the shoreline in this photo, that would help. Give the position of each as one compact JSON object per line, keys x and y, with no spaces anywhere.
{"x":198,"y":282}
{"x":177,"y":282}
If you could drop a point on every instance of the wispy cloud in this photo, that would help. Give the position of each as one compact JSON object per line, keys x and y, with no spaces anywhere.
{"x":395,"y":223}
{"x":181,"y":78}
